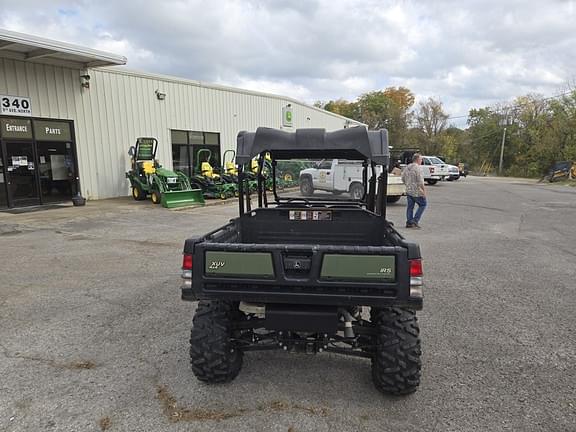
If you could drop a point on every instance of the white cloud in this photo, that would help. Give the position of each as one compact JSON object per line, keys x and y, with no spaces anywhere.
{"x":466,"y":53}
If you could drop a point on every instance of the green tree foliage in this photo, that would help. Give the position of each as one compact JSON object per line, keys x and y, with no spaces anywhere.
{"x":389,"y":109}
{"x":344,"y":108}
{"x":539,"y":131}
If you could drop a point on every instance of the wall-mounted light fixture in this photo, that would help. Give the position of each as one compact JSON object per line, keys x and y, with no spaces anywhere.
{"x":85,"y":80}
{"x":160,"y":95}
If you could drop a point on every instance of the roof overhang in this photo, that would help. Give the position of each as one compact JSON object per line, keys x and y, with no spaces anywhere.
{"x":20,"y":46}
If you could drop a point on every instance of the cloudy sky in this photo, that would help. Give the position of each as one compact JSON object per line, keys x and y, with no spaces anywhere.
{"x":469,"y":53}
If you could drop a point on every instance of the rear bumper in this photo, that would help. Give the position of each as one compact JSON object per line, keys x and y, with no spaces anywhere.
{"x":270,"y":297}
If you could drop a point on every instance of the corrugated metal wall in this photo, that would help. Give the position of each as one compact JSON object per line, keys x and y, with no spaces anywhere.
{"x":119,"y":106}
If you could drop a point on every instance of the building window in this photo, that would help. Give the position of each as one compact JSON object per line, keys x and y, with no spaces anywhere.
{"x":186,"y":146}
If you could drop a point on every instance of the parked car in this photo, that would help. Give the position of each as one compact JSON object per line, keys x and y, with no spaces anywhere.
{"x":454,"y":172}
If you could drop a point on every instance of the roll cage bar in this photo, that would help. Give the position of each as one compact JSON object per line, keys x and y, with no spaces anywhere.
{"x":370,"y":147}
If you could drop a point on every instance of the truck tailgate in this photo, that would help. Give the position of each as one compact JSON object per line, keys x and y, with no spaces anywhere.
{"x":355,"y":275}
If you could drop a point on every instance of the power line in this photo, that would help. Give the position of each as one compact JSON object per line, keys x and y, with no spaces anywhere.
{"x":519,"y":105}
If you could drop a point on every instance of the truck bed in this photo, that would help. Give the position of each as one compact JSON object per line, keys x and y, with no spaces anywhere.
{"x":312,"y":226}
{"x":304,"y":255}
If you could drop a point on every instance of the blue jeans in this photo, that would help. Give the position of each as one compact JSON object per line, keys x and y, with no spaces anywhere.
{"x":410,"y":216}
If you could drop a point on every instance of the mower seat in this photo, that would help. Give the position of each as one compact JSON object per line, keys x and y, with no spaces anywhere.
{"x":231,"y":168}
{"x":208,"y":171}
{"x":148,"y":167}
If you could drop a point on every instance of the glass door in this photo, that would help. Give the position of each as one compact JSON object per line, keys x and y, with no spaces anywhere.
{"x":21,"y":174}
{"x":56,"y":170}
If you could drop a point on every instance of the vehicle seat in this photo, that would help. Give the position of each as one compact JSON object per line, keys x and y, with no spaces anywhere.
{"x":148,"y":167}
{"x":208,"y":171}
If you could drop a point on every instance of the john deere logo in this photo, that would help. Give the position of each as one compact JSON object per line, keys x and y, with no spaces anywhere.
{"x":287,"y":116}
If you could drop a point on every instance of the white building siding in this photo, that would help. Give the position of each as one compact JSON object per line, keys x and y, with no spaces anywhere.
{"x":120,"y":106}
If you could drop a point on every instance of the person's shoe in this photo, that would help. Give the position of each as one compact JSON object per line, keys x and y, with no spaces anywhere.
{"x":409,"y":225}
{"x":415,"y":225}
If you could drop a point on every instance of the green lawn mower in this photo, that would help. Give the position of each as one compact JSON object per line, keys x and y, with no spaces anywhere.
{"x":288,"y":171}
{"x":166,"y":187}
{"x":211,"y":183}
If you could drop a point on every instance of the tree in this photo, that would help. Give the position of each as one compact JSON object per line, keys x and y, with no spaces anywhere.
{"x":387,"y":109}
{"x":343,"y":107}
{"x":431,"y":117}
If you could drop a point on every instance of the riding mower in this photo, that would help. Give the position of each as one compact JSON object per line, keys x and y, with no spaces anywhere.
{"x":212,"y":185}
{"x":229,"y":171}
{"x":147,"y":177}
{"x":266,"y":171}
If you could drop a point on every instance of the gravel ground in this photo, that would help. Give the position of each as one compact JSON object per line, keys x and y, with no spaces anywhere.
{"x":94,"y":336}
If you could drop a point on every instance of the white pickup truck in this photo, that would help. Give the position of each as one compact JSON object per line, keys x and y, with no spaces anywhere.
{"x":434,"y":169}
{"x":341,"y":176}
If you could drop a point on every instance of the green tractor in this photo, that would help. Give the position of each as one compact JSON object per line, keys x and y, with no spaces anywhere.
{"x":288,"y":171}
{"x":166,"y":187}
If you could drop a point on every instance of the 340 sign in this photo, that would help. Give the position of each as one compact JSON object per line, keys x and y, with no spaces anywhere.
{"x":15,"y":105}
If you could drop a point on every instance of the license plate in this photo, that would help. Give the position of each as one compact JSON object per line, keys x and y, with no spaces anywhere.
{"x":171,"y":180}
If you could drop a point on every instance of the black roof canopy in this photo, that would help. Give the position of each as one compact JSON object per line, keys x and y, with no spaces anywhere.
{"x":356,"y":143}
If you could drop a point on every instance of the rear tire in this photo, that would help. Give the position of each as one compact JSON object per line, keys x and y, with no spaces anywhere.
{"x":213,"y":355}
{"x":431,"y":182}
{"x":396,"y":363}
{"x":306,"y":186}
{"x":138,"y":194}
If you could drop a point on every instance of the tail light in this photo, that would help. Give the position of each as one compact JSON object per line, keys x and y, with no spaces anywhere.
{"x":186,"y":262}
{"x":187,"y":270}
{"x":416,"y":281}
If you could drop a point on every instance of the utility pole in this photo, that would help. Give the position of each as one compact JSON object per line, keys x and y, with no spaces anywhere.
{"x":504,"y":123}
{"x":502,"y":152}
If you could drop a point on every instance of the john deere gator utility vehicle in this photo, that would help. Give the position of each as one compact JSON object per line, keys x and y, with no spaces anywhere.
{"x":307,"y":274}
{"x":147,"y":177}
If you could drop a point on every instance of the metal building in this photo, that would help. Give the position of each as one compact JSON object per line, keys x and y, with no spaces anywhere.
{"x":69,"y":113}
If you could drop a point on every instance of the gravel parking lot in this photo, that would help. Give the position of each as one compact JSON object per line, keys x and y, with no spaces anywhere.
{"x":94,"y":336}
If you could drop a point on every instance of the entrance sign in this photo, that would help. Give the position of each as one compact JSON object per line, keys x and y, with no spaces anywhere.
{"x":16,"y":128}
{"x":15,"y":105}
